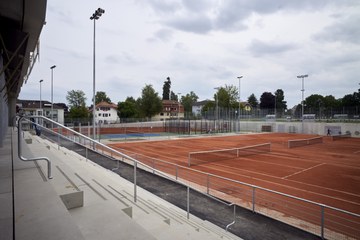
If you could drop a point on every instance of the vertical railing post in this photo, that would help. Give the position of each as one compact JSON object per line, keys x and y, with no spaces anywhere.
{"x":253,"y":199}
{"x":86,"y":153}
{"x":176,"y":174}
{"x":188,"y":202}
{"x":207,"y":183}
{"x":135,"y":166}
{"x":322,"y":222}
{"x":59,"y":132}
{"x":153,"y":166}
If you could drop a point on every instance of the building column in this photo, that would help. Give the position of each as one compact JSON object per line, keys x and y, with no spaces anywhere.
{"x":12,"y":109}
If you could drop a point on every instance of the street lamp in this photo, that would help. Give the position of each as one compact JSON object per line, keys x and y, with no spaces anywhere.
{"x":52,"y":93}
{"x":40,"y":97}
{"x":302,"y":102}
{"x":239,"y":101}
{"x":96,"y":15}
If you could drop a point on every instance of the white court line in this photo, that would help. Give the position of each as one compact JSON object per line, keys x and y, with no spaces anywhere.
{"x":307,"y":169}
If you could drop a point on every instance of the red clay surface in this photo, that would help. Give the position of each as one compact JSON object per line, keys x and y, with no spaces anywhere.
{"x":327,"y":173}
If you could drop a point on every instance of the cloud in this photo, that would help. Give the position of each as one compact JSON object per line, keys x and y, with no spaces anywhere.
{"x":260,"y":48}
{"x":164,"y":34}
{"x":204,"y":16}
{"x":343,"y":30}
{"x":195,"y":24}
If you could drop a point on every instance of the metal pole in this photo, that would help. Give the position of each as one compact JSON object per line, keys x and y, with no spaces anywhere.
{"x":302,"y":100}
{"x":52,"y":94}
{"x":322,"y":222}
{"x":135,"y":166}
{"x":41,"y":111}
{"x":239,"y":102}
{"x":96,"y":15}
{"x":94,"y":133}
{"x":188,"y":202}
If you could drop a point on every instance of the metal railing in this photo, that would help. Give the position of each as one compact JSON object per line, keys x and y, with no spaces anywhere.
{"x":20,"y":120}
{"x":322,"y":220}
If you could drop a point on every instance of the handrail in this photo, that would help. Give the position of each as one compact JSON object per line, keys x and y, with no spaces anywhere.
{"x":258,"y":187}
{"x":31,"y":159}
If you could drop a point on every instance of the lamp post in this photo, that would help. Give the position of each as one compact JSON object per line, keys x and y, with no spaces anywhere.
{"x":41,"y":112}
{"x":95,"y":16}
{"x":40,"y":97}
{"x":302,"y":99}
{"x":52,"y":93}
{"x":239,"y":101}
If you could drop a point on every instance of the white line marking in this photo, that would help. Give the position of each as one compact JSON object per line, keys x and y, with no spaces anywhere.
{"x":307,"y":169}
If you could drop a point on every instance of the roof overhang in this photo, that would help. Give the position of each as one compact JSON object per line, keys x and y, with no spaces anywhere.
{"x":20,"y":28}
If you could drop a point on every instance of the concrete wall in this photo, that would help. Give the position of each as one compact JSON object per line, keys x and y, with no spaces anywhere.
{"x":306,"y":127}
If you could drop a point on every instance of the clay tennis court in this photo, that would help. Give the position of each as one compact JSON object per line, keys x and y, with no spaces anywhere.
{"x":326,"y":173}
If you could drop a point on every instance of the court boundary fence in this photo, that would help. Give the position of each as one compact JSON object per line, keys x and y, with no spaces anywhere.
{"x":319,"y":219}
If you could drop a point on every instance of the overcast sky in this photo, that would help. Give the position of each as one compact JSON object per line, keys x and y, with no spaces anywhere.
{"x":200,"y":45}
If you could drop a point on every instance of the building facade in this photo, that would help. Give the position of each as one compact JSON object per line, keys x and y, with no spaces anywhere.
{"x":43,"y":108}
{"x":171,"y":110}
{"x":106,"y":113}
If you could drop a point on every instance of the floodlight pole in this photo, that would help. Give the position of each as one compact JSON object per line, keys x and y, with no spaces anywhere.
{"x":302,"y":102}
{"x":96,"y":15}
{"x":40,"y":97}
{"x":239,"y":101}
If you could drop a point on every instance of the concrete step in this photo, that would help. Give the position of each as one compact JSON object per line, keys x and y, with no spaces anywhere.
{"x":106,"y":193}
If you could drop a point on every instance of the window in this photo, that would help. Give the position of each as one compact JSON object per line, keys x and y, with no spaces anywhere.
{"x":99,"y":114}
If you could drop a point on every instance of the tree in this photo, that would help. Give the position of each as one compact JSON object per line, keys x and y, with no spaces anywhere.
{"x":252,"y":100}
{"x":188,"y":100}
{"x":267,"y":101}
{"x":166,"y":89}
{"x":101,"y":97}
{"x":76,"y":100}
{"x":280,"y":103}
{"x":128,"y":108}
{"x":173,"y":96}
{"x":150,"y":103}
{"x":227,"y":96}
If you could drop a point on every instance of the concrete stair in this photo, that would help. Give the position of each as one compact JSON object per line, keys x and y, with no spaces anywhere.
{"x":99,"y":204}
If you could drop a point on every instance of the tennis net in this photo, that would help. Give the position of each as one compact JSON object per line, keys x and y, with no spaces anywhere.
{"x":341,"y":136}
{"x":304,"y":142}
{"x":201,"y":157}
{"x":133,"y":133}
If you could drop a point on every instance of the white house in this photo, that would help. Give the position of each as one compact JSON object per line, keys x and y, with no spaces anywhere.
{"x":34,"y":108}
{"x":106,"y":113}
{"x":171,"y":109}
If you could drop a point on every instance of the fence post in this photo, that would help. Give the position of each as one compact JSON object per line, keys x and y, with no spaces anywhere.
{"x":253,"y":199}
{"x":322,"y":222}
{"x":135,"y":166}
{"x":188,"y":202}
{"x":176,"y":172}
{"x":207,"y":183}
{"x":58,"y":131}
